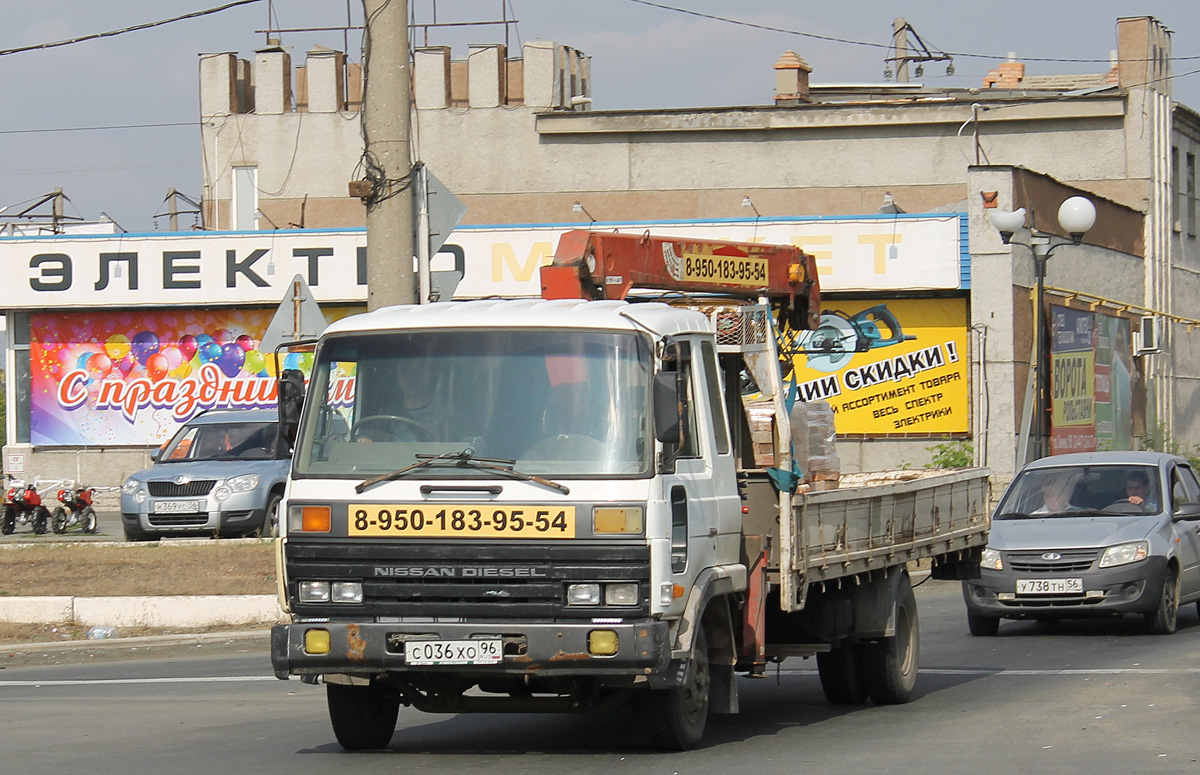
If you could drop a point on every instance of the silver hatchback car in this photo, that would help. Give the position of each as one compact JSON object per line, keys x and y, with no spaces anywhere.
{"x":1091,"y":534}
{"x":223,"y":473}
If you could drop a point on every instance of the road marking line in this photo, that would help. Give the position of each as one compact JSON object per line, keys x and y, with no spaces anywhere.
{"x":1003,"y":671}
{"x":131,"y":681}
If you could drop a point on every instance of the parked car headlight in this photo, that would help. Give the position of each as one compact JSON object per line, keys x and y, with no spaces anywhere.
{"x":991,"y":560}
{"x":244,"y":483}
{"x":1123,"y":554}
{"x":130,"y":487}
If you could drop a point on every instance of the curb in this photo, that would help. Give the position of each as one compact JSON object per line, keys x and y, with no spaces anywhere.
{"x":187,"y":639}
{"x":163,"y":611}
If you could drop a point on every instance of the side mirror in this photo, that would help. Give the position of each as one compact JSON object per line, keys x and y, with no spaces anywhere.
{"x":155,"y":454}
{"x":1187,"y":511}
{"x":291,"y":401}
{"x":668,"y":413}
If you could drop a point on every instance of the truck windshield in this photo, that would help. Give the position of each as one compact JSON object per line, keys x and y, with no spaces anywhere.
{"x":556,"y":403}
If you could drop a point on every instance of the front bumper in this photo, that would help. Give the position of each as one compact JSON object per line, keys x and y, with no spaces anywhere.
{"x":241,"y":512}
{"x":544,"y":649}
{"x":1133,"y":588}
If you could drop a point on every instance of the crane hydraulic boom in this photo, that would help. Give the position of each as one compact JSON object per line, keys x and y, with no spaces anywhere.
{"x":605,"y":265}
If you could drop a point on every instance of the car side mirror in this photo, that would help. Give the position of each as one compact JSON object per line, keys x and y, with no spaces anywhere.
{"x":1187,"y":511}
{"x":155,"y":454}
{"x":668,"y":414}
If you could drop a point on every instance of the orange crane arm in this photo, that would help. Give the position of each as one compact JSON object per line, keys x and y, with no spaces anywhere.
{"x":605,"y":265}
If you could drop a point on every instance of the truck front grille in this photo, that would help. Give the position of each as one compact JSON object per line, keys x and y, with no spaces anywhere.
{"x":467,"y":580}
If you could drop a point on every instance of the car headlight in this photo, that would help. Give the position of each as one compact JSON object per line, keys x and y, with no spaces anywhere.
{"x":130,"y":487}
{"x":1123,"y":554}
{"x":991,"y":560}
{"x":243,"y":483}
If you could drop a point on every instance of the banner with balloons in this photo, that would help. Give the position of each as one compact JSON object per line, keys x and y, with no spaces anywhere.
{"x":132,"y":377}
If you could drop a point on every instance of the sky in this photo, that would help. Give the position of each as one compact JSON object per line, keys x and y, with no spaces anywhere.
{"x":642,"y":55}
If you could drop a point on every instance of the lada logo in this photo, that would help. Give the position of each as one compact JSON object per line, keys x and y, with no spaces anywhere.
{"x":1051,"y":556}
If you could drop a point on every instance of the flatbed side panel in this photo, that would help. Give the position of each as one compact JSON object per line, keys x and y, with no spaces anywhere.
{"x":860,"y":529}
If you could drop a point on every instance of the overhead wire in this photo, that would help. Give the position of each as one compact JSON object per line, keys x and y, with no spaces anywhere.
{"x":124,"y":30}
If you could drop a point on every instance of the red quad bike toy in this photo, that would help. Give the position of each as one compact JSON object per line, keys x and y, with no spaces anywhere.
{"x":76,"y":509}
{"x":23,"y":505}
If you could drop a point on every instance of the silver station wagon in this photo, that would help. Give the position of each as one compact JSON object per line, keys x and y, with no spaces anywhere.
{"x":222,"y":473}
{"x":1088,"y":535}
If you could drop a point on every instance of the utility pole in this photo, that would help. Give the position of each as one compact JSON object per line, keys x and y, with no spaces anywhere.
{"x":900,"y":46}
{"x":387,"y":111}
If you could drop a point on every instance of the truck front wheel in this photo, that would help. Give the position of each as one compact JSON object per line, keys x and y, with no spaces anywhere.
{"x":675,"y":718}
{"x":889,"y":666}
{"x":363,"y":717}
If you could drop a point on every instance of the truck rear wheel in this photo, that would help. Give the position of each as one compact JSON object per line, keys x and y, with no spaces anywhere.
{"x":840,"y":678}
{"x":889,"y":666}
{"x":363,"y":717}
{"x":675,"y":718}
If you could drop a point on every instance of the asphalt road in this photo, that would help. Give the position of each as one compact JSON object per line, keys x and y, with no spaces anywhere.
{"x":108,"y":529}
{"x":1097,"y":697}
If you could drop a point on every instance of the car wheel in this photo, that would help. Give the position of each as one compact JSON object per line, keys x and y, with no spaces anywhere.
{"x":1162,"y":620}
{"x":270,"y":526}
{"x":363,"y":717}
{"x":983,"y":626}
{"x":137,"y":535}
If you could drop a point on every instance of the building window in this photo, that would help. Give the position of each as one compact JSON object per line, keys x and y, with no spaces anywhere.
{"x":20,"y":378}
{"x":245,"y":198}
{"x":1191,"y":194}
{"x":1177,"y":194}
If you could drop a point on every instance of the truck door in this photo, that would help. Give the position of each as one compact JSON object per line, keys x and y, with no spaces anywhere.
{"x":701,"y":489}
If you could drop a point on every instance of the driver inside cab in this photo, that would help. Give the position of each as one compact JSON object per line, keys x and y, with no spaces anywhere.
{"x":408,"y":410}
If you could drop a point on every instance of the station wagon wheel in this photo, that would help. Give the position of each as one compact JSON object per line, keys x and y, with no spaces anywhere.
{"x":270,"y":528}
{"x":983,"y":626}
{"x":1162,"y":620}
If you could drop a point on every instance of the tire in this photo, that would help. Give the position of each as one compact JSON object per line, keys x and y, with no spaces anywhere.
{"x":90,"y":522}
{"x":8,"y":522}
{"x":58,"y":520}
{"x":889,"y":666}
{"x":675,"y":718}
{"x":1163,"y":619}
{"x":270,"y":526}
{"x":134,"y":536}
{"x":840,"y":677}
{"x":363,"y":717}
{"x":983,"y":626}
{"x":41,"y":520}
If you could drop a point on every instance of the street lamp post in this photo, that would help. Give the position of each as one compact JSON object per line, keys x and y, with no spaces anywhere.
{"x":1076,"y":215}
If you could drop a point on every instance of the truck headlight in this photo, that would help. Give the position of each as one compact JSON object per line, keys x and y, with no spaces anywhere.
{"x":991,"y":560}
{"x":347,"y":592}
{"x":1123,"y":554}
{"x":314,"y":591}
{"x":583,"y":594}
{"x":621,"y":594}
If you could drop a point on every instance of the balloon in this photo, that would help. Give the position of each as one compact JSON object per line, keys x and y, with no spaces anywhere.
{"x":231,"y":359}
{"x":126,"y":364}
{"x":145,"y":344}
{"x":98,"y":366}
{"x":255,"y":362}
{"x":202,"y":339}
{"x":187,"y":346}
{"x":291,"y":361}
{"x":222,"y":336}
{"x":173,"y":355}
{"x":245,"y":342}
{"x":268,"y":367}
{"x":82,"y":361}
{"x":157,"y":366}
{"x":182,"y":371}
{"x":209,"y":352}
{"x":117,"y":346}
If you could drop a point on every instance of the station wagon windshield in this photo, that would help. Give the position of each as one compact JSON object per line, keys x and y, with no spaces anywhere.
{"x":222,"y":441}
{"x":558,"y":403}
{"x":1065,"y":491}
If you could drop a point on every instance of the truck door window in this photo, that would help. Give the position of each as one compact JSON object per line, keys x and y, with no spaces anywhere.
{"x":716,"y":406}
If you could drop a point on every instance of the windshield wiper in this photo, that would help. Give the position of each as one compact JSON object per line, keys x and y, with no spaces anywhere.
{"x":468,"y":459}
{"x":1017,"y":515}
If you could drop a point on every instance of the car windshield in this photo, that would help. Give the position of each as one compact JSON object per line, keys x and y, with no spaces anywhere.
{"x":221,"y":441}
{"x":556,"y":404}
{"x":1072,"y":490}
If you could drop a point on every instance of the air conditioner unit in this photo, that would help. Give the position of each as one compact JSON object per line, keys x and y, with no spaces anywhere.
{"x":1145,"y":340}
